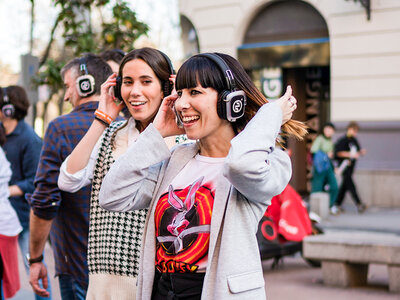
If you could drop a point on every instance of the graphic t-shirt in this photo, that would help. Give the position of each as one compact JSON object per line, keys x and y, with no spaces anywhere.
{"x":347,"y":144}
{"x":183,"y":217}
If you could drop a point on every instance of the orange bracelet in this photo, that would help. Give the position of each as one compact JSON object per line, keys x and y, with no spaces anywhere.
{"x":102,"y":115}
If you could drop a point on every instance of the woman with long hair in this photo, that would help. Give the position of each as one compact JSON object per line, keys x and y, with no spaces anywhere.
{"x":205,"y":199}
{"x":115,"y":238}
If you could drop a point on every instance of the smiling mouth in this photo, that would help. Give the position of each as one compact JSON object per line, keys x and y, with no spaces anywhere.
{"x":190,"y":119}
{"x":137,"y":103}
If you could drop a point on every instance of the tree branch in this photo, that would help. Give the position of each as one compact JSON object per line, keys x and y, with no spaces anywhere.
{"x":48,"y":48}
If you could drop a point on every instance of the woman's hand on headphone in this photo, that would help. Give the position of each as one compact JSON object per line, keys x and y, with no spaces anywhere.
{"x":288,"y":104}
{"x":165,"y":120}
{"x":107,"y":101}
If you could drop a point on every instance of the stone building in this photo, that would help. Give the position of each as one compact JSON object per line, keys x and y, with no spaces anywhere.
{"x":342,"y":58}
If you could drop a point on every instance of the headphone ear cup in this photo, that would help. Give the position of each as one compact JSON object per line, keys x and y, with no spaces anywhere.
{"x":221,"y":105}
{"x":117,"y":91}
{"x":85,"y":85}
{"x":8,"y":110}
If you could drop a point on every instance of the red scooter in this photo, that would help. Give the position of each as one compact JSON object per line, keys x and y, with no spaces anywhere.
{"x":284,"y":225}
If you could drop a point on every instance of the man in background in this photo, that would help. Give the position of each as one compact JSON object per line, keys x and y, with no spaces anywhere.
{"x":63,"y":215}
{"x":347,"y":151}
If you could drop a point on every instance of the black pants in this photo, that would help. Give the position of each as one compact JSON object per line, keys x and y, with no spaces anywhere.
{"x":177,"y":286}
{"x":348,"y":185}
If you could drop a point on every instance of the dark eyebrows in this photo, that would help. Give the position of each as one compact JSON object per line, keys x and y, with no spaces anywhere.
{"x":141,"y":77}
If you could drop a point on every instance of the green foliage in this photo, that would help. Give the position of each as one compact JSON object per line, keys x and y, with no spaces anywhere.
{"x":50,"y":75}
{"x":75,"y":20}
{"x":123,"y":29}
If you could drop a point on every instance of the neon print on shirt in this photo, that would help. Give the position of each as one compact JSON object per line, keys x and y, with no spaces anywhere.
{"x":182,"y":219}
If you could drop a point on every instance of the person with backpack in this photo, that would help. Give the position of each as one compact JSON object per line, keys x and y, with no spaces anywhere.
{"x":323,"y":170}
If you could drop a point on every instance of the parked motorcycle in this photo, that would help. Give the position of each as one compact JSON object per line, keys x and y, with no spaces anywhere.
{"x":284,"y":225}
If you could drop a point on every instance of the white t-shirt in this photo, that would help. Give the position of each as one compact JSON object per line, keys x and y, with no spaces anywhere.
{"x":183,"y":217}
{"x":9,"y":222}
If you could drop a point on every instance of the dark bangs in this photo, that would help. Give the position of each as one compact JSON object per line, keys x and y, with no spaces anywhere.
{"x":200,"y":70}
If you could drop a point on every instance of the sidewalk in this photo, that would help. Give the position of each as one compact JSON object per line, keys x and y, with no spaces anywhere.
{"x":26,"y":293}
{"x":373,"y":219}
{"x":296,"y":279}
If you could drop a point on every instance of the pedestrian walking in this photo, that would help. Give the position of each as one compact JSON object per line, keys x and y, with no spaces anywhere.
{"x":204,"y":198}
{"x":347,"y":151}
{"x":10,"y":227}
{"x":323,"y":170}
{"x":115,"y":238}
{"x":22,"y":149}
{"x":65,"y":216}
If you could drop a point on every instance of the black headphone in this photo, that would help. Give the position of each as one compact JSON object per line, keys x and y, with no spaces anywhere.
{"x":85,"y":83}
{"x":231,"y":101}
{"x":166,"y":85}
{"x":7,"y":109}
{"x":122,"y":52}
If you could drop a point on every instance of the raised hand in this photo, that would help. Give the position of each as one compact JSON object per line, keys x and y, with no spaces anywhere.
{"x":288,"y":104}
{"x":107,"y":101}
{"x":165,"y":120}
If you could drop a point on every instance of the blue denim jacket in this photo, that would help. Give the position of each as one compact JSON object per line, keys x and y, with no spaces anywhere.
{"x":22,"y":150}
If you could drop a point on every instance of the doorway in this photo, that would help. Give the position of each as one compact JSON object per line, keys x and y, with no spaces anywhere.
{"x":311,"y":88}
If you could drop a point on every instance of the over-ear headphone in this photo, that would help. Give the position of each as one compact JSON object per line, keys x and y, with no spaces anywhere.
{"x":122,"y":52}
{"x":167,"y":85}
{"x":85,"y":83}
{"x":7,"y":109}
{"x":231,"y":102}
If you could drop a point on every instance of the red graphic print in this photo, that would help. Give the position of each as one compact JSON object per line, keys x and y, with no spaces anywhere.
{"x":182,"y":220}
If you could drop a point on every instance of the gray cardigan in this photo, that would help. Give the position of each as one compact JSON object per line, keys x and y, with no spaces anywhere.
{"x":254,"y":171}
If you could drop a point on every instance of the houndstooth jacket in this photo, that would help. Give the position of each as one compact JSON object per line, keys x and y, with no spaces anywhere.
{"x":114,"y":237}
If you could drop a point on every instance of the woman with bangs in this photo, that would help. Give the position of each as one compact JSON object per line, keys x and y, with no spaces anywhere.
{"x":205,"y":199}
{"x":143,"y":80}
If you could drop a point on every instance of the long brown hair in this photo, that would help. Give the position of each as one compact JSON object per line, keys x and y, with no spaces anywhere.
{"x":199,"y":69}
{"x":156,"y":61}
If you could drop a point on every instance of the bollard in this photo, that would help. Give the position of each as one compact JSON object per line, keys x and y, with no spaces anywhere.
{"x":319,"y":204}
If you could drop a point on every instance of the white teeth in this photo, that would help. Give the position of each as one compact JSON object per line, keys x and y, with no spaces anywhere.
{"x":136,"y":103}
{"x":188,"y":119}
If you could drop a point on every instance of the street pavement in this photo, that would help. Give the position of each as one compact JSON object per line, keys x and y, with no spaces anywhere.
{"x":373,"y":219}
{"x":294,"y":278}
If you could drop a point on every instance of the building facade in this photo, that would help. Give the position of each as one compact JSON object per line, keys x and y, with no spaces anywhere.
{"x":342,"y":58}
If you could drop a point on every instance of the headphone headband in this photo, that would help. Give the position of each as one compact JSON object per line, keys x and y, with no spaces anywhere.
{"x":222,"y":65}
{"x":171,"y":67}
{"x":7,"y":108}
{"x":82,"y":66}
{"x":5,"y":96}
{"x":231,"y":102}
{"x":85,"y":83}
{"x":122,"y":52}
